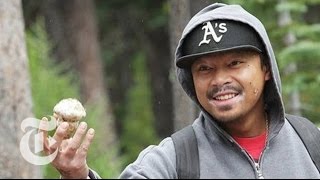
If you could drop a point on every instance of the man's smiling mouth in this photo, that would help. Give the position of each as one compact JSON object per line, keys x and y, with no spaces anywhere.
{"x":225,"y":97}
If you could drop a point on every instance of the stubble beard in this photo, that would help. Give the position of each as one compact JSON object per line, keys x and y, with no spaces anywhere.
{"x":227,"y":117}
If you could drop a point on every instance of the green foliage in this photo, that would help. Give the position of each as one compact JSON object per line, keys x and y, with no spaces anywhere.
{"x":310,"y":31}
{"x":124,"y":26}
{"x":305,"y":54}
{"x":139,"y":119}
{"x":101,"y":159}
{"x":49,"y":85}
{"x":262,"y":9}
{"x":309,"y":102}
{"x":292,"y":6}
{"x":301,"y":51}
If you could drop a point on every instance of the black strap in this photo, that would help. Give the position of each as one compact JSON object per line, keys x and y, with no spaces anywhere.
{"x":187,"y":154}
{"x":310,"y":136}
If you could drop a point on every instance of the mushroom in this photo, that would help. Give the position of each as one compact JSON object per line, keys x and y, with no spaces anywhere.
{"x":69,"y":110}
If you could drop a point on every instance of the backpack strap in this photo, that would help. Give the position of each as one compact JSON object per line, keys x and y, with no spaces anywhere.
{"x":310,"y":136}
{"x":187,"y":153}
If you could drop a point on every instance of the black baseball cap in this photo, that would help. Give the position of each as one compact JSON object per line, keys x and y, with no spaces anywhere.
{"x":217,"y":36}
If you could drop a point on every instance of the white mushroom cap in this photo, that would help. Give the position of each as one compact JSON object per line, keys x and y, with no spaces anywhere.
{"x":70,"y":110}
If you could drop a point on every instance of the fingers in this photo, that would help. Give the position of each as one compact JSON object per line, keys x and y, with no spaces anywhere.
{"x":77,"y":138}
{"x":59,"y":135}
{"x":83,"y":150}
{"x":68,"y":148}
{"x":64,"y":144}
{"x":43,"y":126}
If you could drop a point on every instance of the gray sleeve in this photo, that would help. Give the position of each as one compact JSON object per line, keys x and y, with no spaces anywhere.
{"x":154,"y":162}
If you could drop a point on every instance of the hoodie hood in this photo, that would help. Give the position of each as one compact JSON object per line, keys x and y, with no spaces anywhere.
{"x":219,"y":11}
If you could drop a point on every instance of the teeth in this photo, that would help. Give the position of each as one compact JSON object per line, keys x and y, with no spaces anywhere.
{"x":225,"y":97}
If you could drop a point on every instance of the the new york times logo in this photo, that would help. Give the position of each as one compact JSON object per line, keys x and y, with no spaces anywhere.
{"x":36,"y":157}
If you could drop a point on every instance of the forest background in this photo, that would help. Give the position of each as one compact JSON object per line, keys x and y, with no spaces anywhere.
{"x":116,"y":56}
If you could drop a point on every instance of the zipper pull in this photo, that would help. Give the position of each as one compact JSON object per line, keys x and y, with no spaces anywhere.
{"x":260,"y":176}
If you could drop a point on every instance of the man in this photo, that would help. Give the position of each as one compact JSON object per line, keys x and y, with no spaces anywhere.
{"x":226,"y":64}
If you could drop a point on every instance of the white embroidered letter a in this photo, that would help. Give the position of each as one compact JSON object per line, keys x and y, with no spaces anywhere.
{"x":208,"y":30}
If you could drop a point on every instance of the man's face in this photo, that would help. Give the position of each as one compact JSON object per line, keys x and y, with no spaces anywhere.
{"x":230,"y":85}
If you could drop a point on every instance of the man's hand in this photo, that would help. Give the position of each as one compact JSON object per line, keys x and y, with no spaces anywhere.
{"x":72,"y":153}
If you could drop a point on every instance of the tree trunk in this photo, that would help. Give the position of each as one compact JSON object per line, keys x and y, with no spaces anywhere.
{"x":312,"y":15}
{"x":72,"y":27}
{"x":294,"y":97}
{"x":155,"y":43}
{"x":73,"y":30}
{"x":196,"y":6}
{"x":159,"y":64}
{"x":119,"y":41}
{"x":184,"y":108}
{"x":81,"y":29}
{"x":15,"y":92}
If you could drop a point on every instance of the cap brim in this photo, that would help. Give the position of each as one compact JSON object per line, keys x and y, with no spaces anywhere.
{"x":187,"y":61}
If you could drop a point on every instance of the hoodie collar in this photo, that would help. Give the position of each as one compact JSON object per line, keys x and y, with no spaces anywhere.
{"x":272,"y":91}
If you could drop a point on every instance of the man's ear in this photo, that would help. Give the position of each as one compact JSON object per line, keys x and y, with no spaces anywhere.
{"x":267,"y":75}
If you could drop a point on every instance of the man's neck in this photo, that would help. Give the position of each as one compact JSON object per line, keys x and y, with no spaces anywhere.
{"x":250,"y":126}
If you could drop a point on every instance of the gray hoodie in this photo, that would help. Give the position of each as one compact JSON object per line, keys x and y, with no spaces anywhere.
{"x":220,"y":156}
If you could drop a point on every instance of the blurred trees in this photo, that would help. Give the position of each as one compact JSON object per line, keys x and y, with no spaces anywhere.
{"x":180,"y":12}
{"x":304,"y":53}
{"x":48,"y":85}
{"x":129,"y":28}
{"x":15,"y":95}
{"x":73,"y":34}
{"x":72,"y":29}
{"x":284,"y":19}
{"x":184,"y":108}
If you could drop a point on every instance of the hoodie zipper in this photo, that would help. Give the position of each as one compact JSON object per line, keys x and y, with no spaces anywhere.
{"x":256,"y":165}
{"x":258,"y":170}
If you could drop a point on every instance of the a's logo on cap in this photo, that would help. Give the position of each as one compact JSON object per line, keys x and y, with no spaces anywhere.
{"x":210,"y":30}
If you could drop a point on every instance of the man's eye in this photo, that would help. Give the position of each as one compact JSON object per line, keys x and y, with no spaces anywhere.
{"x":204,"y":68}
{"x":235,"y":63}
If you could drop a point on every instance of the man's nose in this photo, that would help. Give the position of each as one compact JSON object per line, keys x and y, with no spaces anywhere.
{"x":220,"y":77}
